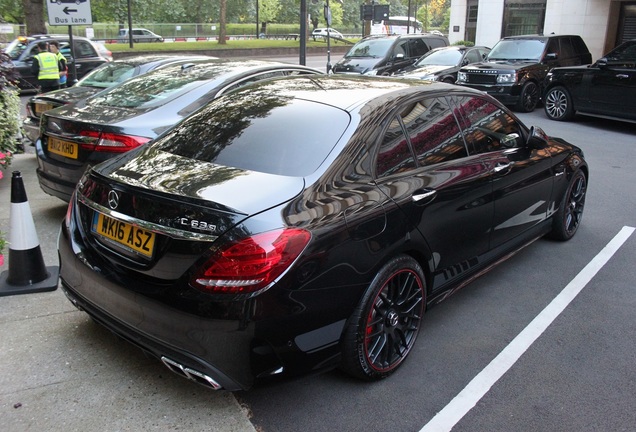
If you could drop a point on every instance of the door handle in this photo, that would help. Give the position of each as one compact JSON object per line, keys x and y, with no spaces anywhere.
{"x":622,"y":76}
{"x":426,"y":194}
{"x":502,"y":168}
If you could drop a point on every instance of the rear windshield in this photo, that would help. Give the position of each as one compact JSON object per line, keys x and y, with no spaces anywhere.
{"x":107,"y":75}
{"x":274,"y":135}
{"x":156,"y":88}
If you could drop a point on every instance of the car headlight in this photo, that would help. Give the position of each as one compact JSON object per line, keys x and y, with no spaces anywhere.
{"x":461,"y":76}
{"x":371,"y":72}
{"x":506,"y":78}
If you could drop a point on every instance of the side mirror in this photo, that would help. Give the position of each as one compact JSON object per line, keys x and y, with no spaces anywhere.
{"x":399,"y":56}
{"x":601,"y":63}
{"x":537,"y":138}
{"x":551,"y":56}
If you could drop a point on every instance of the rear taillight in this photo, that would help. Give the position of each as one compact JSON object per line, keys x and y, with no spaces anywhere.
{"x":112,"y":143}
{"x":251,"y":264}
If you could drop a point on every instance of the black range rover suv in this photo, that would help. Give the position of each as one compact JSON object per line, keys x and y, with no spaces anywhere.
{"x":515,"y":70}
{"x":606,"y":88}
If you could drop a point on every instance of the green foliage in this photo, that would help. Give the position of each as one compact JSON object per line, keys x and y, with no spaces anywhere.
{"x":9,"y":111}
{"x":465,"y":43}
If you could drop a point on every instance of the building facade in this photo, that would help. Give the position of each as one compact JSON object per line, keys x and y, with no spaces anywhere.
{"x":602,"y":24}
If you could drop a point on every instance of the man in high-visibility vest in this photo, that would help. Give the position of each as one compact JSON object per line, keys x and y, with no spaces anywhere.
{"x":54,"y":47}
{"x":47,"y":68}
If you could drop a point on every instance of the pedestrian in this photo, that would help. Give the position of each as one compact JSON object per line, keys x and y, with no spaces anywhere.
{"x":54,"y":47}
{"x":46,"y":68}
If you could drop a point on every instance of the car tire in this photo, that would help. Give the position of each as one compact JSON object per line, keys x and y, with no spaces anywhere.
{"x":382,"y":330}
{"x":567,"y":219}
{"x":558,"y":104}
{"x":449,"y":80}
{"x":529,"y":97}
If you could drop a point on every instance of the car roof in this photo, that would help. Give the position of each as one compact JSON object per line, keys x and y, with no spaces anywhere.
{"x":160,"y":59}
{"x":458,"y":48}
{"x":211,"y":74}
{"x":348,"y":92}
{"x":538,"y":36}
{"x":39,"y":37}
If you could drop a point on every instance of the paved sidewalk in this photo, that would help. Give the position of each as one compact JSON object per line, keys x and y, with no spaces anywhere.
{"x":59,"y":371}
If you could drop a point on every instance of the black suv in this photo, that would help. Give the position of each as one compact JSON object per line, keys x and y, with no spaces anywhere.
{"x":387,"y":55}
{"x":23,"y":49}
{"x":515,"y":70}
{"x":606,"y":88}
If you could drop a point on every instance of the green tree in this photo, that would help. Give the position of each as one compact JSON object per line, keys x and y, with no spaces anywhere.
{"x":268,"y":11}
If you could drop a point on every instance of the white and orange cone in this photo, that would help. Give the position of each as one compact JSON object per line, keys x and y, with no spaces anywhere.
{"x":27,"y":272}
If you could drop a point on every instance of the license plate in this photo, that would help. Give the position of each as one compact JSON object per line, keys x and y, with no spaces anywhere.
{"x":42,"y":107}
{"x":63,"y":148}
{"x":128,"y":236}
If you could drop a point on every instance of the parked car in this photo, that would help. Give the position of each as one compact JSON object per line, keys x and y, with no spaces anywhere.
{"x":517,"y":66}
{"x":23,"y":49}
{"x":606,"y":88}
{"x":76,"y":136}
{"x":323,"y":32}
{"x":103,"y":51}
{"x":442,"y":64}
{"x":386,"y":55}
{"x":105,"y":76}
{"x":138,"y":35}
{"x":250,"y":240}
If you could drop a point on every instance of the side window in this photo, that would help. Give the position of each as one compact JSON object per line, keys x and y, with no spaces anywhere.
{"x":437,"y":43}
{"x":84,"y":49}
{"x":137,"y":32}
{"x":486,"y":126}
{"x":433,"y":131}
{"x":65,"y":49}
{"x":567,"y":50}
{"x":400,"y":48}
{"x":553,"y":47}
{"x":417,"y":48}
{"x":472,"y":56}
{"x":579,"y":46}
{"x":394,"y":155}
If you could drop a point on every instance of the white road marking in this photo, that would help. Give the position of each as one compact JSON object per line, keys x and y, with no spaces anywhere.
{"x":452,"y":413}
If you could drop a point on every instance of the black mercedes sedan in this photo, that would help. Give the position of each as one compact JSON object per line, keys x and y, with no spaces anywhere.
{"x":105,"y":76}
{"x":309,"y":222}
{"x":605,"y":89}
{"x":76,"y":136}
{"x":442,"y":64}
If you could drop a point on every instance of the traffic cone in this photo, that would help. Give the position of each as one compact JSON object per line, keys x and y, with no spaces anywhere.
{"x":27,"y":272}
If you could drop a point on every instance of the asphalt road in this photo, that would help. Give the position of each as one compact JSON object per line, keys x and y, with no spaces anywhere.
{"x":574,"y":374}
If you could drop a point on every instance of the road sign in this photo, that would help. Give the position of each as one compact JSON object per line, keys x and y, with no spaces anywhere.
{"x":69,"y":12}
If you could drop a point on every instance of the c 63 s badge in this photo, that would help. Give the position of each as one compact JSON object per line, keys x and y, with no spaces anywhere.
{"x":196,"y":224}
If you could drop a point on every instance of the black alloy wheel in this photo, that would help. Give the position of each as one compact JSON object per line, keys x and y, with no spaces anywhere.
{"x":381,"y":332}
{"x":529,"y":97}
{"x":568,"y":219}
{"x":558,"y":104}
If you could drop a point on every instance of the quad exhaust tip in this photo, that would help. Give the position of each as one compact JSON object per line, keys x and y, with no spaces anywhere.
{"x":190,"y":374}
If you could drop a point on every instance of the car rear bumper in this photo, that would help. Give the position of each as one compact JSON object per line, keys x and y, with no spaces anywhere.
{"x":184,"y":342}
{"x":56,"y":178}
{"x":31,"y":129}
